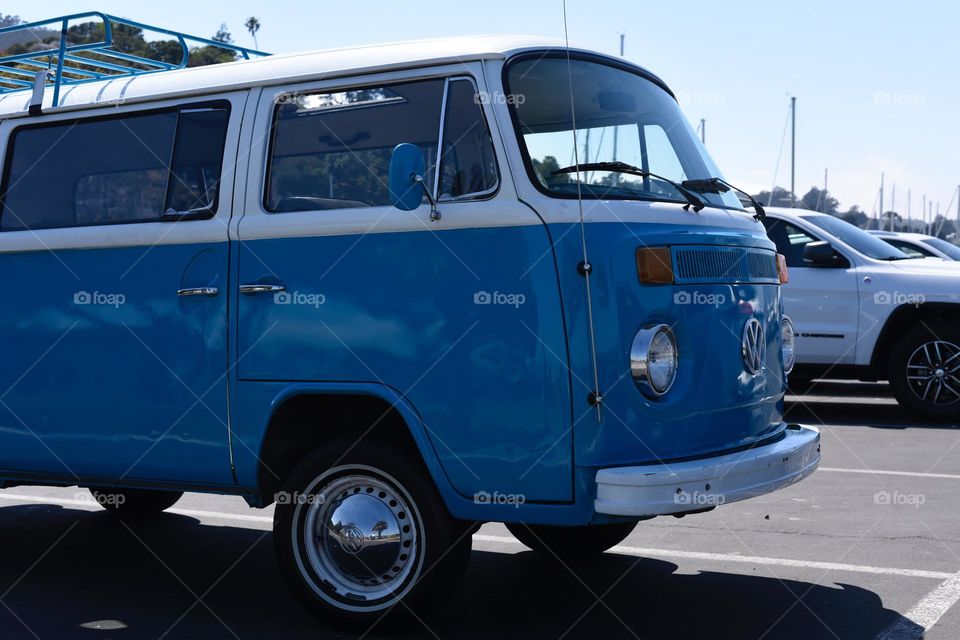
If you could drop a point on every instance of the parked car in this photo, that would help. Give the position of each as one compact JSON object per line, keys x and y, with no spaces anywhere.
{"x":864,"y":310}
{"x":918,"y":245}
{"x":359,"y":285}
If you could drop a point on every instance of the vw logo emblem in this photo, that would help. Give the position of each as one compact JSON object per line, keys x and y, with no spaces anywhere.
{"x":754,"y":346}
{"x":351,"y":539}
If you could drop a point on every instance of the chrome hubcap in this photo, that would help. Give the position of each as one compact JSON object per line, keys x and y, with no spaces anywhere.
{"x":933,"y":372}
{"x":361,"y":537}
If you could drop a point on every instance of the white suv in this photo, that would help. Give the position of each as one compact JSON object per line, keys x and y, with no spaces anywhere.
{"x":865,"y":310}
{"x":918,"y":245}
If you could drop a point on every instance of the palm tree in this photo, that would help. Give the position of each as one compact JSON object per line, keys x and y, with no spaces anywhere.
{"x":253,"y":25}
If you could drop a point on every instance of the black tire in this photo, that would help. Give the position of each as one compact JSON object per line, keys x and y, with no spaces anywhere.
{"x":570,"y":544}
{"x":134,"y":502}
{"x":918,"y":359}
{"x":407,"y":577}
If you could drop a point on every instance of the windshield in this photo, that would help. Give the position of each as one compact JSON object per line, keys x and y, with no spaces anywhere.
{"x":867,"y":244}
{"x":944,"y":247}
{"x":620,"y":116}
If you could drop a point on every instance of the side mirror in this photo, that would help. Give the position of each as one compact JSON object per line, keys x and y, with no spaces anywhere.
{"x":406,"y":181}
{"x":406,"y":165}
{"x":819,"y":254}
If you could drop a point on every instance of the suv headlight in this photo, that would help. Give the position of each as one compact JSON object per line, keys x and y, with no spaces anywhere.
{"x":788,"y":344}
{"x":653,"y":360}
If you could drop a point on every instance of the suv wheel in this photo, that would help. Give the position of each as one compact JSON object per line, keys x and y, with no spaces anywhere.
{"x":363,"y":537}
{"x":925,"y":370}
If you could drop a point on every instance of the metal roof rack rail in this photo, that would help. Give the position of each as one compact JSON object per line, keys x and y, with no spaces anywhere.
{"x":65,"y":64}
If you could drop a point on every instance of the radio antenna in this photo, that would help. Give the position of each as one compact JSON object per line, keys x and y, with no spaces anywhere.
{"x":586,"y":269}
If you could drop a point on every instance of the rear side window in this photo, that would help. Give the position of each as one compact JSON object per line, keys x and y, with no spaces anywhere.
{"x":118,"y":169}
{"x":331,"y":150}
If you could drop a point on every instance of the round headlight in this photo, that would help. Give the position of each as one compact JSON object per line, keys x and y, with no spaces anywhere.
{"x":653,"y":360}
{"x":788,"y":344}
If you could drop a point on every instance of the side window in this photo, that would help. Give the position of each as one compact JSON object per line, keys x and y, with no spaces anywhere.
{"x":332,"y":150}
{"x":119,"y":169}
{"x":790,"y":240}
{"x":197,"y":160}
{"x":468,"y":164}
{"x":910,"y":249}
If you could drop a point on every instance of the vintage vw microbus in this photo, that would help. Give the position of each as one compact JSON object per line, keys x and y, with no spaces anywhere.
{"x":396,"y":291}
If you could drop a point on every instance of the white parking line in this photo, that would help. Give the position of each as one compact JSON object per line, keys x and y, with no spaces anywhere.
{"x":755,"y":560}
{"x":882,"y":472}
{"x":92,"y":504}
{"x":510,"y":540}
{"x":916,"y":622}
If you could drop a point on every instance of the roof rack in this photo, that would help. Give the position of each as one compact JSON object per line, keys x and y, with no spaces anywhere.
{"x":68,"y":64}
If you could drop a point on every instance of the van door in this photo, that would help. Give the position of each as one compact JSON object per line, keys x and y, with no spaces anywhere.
{"x":460,"y":315}
{"x":114,"y":345}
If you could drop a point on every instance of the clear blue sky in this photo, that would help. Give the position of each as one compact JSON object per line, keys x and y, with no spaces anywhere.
{"x":877,"y":83}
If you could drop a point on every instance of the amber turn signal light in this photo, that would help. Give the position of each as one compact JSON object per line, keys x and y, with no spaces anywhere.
{"x":782,"y":269}
{"x":655,"y":265}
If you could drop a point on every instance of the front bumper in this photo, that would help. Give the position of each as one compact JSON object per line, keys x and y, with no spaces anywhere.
{"x":696,"y":485}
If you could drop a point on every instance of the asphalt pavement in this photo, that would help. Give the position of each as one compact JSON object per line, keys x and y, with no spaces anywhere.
{"x":868,"y":547}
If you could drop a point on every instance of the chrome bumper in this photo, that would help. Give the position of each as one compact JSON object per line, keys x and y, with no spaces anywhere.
{"x":699,"y":484}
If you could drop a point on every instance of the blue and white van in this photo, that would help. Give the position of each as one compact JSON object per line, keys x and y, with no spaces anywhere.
{"x":396,"y":291}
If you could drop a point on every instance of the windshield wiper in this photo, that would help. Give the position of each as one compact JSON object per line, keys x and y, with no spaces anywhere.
{"x":717,"y":185}
{"x":622,"y":167}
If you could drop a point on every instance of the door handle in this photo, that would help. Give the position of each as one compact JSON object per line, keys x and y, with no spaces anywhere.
{"x":261,"y":288}
{"x":198,"y":291}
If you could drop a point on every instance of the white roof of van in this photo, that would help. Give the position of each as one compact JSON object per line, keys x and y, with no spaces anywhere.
{"x":285,"y":68}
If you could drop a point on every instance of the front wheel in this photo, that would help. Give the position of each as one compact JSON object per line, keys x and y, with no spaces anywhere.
{"x":571,"y":543}
{"x":359,"y":530}
{"x":925,"y":370}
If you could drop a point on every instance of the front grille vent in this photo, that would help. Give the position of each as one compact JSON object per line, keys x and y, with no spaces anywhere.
{"x":724,"y":265}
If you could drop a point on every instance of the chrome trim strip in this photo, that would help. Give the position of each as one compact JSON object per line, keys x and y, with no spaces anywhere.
{"x":261,"y":288}
{"x":443,"y":125}
{"x":198,"y":291}
{"x":680,"y":487}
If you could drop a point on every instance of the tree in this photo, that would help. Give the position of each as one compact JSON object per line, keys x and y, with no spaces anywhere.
{"x":547,"y":166}
{"x":779,"y":198}
{"x":253,"y":25}
{"x":223,"y":34}
{"x":202,"y":56}
{"x":891,"y":220}
{"x":854,"y":216}
{"x":820,"y":200}
{"x":9,"y":21}
{"x":943,"y":227}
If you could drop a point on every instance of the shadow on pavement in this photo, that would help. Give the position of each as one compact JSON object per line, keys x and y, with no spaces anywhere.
{"x":140,"y":583}
{"x":870,"y":404}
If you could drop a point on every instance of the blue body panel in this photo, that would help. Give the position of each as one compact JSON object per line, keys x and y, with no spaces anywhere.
{"x":489,"y":385}
{"x":478,"y":337}
{"x":406,"y":311}
{"x":714,"y":404}
{"x":130,"y":388}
